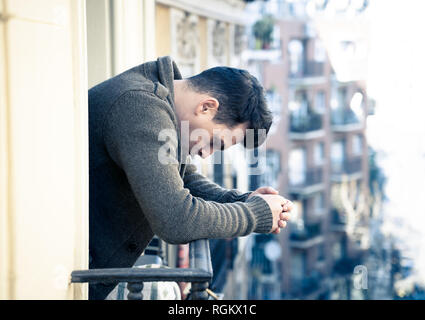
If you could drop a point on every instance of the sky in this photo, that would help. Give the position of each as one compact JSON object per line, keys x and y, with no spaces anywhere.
{"x":395,"y":80}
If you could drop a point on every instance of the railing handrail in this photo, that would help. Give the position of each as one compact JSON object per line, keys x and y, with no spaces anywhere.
{"x":200,"y":273}
{"x":311,"y":121}
{"x":112,"y":275}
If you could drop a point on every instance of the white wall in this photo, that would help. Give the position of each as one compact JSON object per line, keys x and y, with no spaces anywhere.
{"x":44,"y":149}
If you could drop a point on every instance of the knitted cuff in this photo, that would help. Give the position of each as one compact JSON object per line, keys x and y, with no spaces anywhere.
{"x":263,"y":214}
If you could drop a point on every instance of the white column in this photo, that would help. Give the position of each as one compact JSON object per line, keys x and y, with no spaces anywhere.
{"x":126,"y":34}
{"x":99,"y":37}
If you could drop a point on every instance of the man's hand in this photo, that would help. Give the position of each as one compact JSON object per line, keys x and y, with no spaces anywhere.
{"x":264,"y":190}
{"x":279,"y":206}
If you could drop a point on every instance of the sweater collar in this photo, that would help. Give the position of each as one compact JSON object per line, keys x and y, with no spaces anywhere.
{"x":168,"y":71}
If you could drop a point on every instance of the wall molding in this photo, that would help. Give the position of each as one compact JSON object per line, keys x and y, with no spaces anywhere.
{"x":231,"y":11}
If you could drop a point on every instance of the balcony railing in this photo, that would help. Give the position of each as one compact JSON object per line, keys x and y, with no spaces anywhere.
{"x":310,"y":69}
{"x":313,"y":177}
{"x":314,"y":69}
{"x":199,"y":274}
{"x":304,"y":124}
{"x":308,"y":232}
{"x":344,"y":119}
{"x":347,"y":166}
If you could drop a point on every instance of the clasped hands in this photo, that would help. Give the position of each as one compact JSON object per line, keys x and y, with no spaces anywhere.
{"x":279,"y":206}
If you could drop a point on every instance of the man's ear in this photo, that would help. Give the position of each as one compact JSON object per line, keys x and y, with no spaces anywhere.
{"x":208,"y":106}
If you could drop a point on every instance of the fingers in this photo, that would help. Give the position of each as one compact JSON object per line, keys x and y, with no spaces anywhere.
{"x":276,"y":231}
{"x":267,"y":190}
{"x":288,"y":205}
{"x":284,"y":216}
{"x":282,"y":224}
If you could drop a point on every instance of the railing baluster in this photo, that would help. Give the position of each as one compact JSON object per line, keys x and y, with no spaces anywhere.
{"x":199,"y":273}
{"x":199,"y":291}
{"x":200,"y":258}
{"x":135,"y":291}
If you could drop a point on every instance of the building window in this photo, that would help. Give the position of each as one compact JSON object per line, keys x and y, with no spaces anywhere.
{"x":299,"y":108}
{"x":297,"y":166}
{"x":320,"y":102}
{"x":342,"y":97}
{"x":274,"y":101}
{"x":271,"y":174}
{"x":337,"y":251}
{"x":297,"y":266}
{"x":357,"y":144}
{"x":296,"y":57}
{"x":321,"y":252}
{"x":319,"y":203}
{"x":319,"y":51}
{"x":297,"y":218}
{"x":338,"y":155}
{"x":319,"y":153}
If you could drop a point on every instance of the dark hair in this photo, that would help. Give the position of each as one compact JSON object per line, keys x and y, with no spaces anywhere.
{"x":241,"y":98}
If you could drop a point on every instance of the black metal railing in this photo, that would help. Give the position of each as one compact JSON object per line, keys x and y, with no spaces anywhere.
{"x":199,"y":274}
{"x":309,"y":231}
{"x":313,"y":176}
{"x":314,"y":69}
{"x":348,"y":166}
{"x":344,"y":116}
{"x":302,"y":124}
{"x":310,"y":69}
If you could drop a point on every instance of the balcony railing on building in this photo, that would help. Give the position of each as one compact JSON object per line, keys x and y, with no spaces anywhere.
{"x":306,"y":236}
{"x":309,"y":69}
{"x":345,"y":119}
{"x":350,"y":168}
{"x":199,"y":274}
{"x":306,"y":126}
{"x":312,"y":182}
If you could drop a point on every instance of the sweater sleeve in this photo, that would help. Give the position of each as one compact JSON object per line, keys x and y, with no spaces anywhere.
{"x":202,"y":187}
{"x":140,"y":137}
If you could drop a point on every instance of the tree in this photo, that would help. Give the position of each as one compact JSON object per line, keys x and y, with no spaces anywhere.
{"x":263,"y":31}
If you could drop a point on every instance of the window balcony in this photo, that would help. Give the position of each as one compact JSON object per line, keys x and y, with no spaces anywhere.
{"x":350,"y":169}
{"x":312,"y":182}
{"x":338,"y":220}
{"x":199,"y":274}
{"x":305,"y":237}
{"x":306,"y":127}
{"x":345,"y":120}
{"x":309,"y":69}
{"x":310,"y":73}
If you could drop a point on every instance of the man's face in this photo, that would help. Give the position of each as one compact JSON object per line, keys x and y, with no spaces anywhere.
{"x":208,"y":136}
{"x":200,"y":134}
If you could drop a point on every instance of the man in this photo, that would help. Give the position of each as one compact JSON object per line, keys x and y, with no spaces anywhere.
{"x":140,"y":183}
